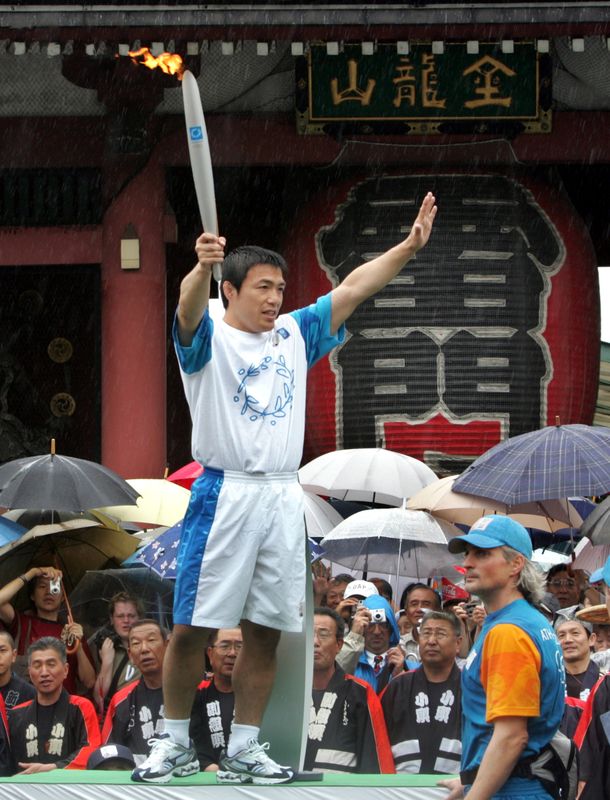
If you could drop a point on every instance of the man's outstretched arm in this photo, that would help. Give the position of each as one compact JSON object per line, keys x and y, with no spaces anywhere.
{"x":372,"y":276}
{"x":195,"y":287}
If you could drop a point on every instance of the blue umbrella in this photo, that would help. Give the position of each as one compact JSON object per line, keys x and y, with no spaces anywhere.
{"x":10,"y":531}
{"x":160,"y":555}
{"x":555,"y":462}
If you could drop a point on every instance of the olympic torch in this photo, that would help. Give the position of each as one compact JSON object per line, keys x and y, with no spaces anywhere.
{"x":201,"y":161}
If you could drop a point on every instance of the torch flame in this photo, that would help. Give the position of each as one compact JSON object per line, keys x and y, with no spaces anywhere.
{"x":170,"y":63}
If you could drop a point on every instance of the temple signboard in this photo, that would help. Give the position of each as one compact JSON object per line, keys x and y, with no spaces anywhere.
{"x":426,"y":88}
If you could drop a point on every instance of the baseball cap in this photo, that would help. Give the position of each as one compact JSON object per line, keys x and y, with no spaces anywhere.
{"x":495,"y":530}
{"x":605,"y":572}
{"x":360,"y":588}
{"x":597,"y":575}
{"x":111,"y":752}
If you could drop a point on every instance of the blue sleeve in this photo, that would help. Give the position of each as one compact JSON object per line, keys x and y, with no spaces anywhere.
{"x":314,"y":323}
{"x":198,"y":353}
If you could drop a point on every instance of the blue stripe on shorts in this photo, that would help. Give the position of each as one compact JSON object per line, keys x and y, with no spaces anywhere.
{"x":195,"y":531}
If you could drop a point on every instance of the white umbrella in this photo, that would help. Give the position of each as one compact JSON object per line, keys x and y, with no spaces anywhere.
{"x":392,"y":540}
{"x":320,"y":516}
{"x":365,"y":475}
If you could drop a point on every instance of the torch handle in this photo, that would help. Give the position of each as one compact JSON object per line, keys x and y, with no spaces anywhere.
{"x":201,"y":161}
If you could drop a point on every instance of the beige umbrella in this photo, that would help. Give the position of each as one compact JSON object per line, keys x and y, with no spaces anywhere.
{"x":161,"y":502}
{"x":73,"y":546}
{"x":440,"y":500}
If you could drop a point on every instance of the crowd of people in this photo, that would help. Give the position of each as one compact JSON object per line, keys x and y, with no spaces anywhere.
{"x":388,"y":692}
{"x":475,"y":684}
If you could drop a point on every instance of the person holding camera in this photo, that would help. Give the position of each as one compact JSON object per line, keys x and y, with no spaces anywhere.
{"x":110,"y":645}
{"x":46,"y":594}
{"x":382,"y":658}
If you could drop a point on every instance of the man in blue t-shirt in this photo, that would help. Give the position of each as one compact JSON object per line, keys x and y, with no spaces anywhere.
{"x":240,"y":559}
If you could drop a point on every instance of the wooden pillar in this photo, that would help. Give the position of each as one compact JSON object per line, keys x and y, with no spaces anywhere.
{"x":134,"y":331}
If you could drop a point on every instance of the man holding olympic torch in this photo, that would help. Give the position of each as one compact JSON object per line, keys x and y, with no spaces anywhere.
{"x":241,"y":553}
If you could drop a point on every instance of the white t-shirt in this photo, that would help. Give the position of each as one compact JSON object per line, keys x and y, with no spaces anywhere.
{"x":246,"y":391}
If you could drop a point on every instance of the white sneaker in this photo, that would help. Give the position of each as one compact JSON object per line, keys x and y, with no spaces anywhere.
{"x":252,"y":765}
{"x":166,"y":759}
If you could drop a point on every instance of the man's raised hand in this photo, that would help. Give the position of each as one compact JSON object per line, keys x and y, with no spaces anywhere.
{"x":422,"y":227}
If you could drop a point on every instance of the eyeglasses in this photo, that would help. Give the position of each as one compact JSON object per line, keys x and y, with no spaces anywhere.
{"x":226,"y":647}
{"x":557,"y":584}
{"x":324,"y":635}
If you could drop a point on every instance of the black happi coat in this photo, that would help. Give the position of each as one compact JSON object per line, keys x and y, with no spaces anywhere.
{"x":73,"y":736}
{"x":211,"y":720}
{"x":424,"y":722}
{"x":346,"y":729}
{"x":134,"y":716}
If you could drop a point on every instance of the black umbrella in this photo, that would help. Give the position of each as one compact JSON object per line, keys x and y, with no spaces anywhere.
{"x":62,"y":483}
{"x":91,"y":596}
{"x":597,"y":524}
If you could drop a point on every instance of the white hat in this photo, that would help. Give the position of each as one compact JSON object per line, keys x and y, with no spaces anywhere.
{"x":360,"y":589}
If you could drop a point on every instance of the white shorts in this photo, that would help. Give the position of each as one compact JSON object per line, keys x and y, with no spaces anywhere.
{"x":242,"y":552}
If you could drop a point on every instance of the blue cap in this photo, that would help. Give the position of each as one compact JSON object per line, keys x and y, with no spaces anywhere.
{"x":495,"y":530}
{"x":606,"y":572}
{"x":597,"y":575}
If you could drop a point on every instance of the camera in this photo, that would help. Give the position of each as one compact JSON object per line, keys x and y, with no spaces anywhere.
{"x":107,"y":633}
{"x":378,"y":616}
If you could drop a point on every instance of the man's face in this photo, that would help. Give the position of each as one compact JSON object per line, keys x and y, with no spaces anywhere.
{"x":42,"y":598}
{"x":565,"y":588}
{"x":123,"y":617}
{"x":47,"y":671}
{"x":377,"y":637}
{"x":147,"y":649}
{"x":487,"y":570}
{"x":223,"y":653}
{"x":255,"y":307}
{"x":325,"y":642}
{"x":438,"y":643}
{"x":335,"y":595}
{"x":574,"y":640}
{"x":417,"y":603}
{"x":7,"y":657}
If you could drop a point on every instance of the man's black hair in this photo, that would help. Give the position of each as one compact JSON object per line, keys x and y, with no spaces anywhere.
{"x":324,"y":611}
{"x":443,"y":616}
{"x":140,"y":623}
{"x":418,"y":585}
{"x":48,"y":643}
{"x":556,"y":568}
{"x":342,"y":577}
{"x":240,"y":261}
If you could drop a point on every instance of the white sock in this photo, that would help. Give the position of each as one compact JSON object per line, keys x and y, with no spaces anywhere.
{"x":240,"y":735}
{"x":178,"y":730}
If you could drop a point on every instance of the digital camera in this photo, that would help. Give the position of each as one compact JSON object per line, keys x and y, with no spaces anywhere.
{"x":378,"y":616}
